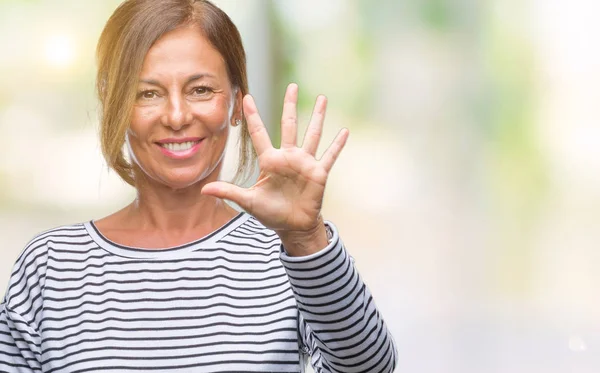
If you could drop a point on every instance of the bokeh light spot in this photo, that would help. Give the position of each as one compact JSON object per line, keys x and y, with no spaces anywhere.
{"x":60,"y":51}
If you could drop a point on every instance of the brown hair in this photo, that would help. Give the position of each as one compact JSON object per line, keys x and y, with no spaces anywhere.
{"x":128,"y":35}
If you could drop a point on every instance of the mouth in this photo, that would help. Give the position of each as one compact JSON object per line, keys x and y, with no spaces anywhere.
{"x":180,"y":148}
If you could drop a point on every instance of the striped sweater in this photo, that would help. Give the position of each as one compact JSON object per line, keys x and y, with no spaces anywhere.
{"x":232,"y":301}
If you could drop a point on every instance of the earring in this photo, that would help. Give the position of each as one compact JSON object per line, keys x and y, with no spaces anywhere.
{"x":238,"y":122}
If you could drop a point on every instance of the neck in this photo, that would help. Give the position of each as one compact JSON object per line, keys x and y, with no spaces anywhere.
{"x":163,"y":209}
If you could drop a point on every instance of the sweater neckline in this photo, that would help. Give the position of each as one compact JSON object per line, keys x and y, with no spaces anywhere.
{"x":145,"y":253}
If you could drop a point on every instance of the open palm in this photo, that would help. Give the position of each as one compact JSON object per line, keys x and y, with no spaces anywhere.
{"x":288,"y":194}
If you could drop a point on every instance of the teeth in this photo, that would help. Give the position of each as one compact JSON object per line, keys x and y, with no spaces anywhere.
{"x":179,"y":147}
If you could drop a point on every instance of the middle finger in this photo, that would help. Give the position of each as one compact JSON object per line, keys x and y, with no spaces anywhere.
{"x":289,"y":117}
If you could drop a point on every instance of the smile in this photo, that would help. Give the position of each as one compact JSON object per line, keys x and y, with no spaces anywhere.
{"x":179,"y":147}
{"x":175,"y":149}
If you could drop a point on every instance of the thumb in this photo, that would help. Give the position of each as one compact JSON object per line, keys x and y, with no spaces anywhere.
{"x":224,"y":190}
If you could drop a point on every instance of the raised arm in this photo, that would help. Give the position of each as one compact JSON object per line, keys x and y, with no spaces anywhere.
{"x":339,"y":323}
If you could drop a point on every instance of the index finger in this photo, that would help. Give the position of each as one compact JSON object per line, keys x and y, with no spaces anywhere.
{"x":256,"y":128}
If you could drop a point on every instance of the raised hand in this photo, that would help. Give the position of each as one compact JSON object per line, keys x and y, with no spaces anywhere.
{"x":288,"y":194}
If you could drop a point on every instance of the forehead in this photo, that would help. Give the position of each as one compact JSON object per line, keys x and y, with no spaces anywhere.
{"x":182,"y":52}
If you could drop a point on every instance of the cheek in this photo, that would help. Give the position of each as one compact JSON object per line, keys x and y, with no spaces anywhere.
{"x":219,"y":137}
{"x":141,"y":120}
{"x":214,"y":113}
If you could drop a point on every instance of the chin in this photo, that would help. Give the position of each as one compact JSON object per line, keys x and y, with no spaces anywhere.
{"x":177,"y":185}
{"x":178,"y":178}
{"x":181,"y":182}
{"x":184,"y":179}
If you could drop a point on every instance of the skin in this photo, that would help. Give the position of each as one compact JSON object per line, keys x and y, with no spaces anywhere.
{"x":184,"y":91}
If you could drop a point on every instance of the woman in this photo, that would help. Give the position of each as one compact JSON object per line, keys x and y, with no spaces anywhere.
{"x":178,"y":280}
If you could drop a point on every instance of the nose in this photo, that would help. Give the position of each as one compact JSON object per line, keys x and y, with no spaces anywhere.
{"x":178,"y":114}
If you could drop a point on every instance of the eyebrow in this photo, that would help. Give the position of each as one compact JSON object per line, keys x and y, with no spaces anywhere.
{"x":188,"y":81}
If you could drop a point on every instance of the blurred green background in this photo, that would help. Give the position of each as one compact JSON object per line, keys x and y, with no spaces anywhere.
{"x":469,"y":191}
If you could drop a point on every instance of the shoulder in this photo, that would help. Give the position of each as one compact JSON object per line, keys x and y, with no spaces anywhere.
{"x":256,"y":224}
{"x":252,"y":233}
{"x":33,"y":258}
{"x":28,"y":277}
{"x":38,"y":245}
{"x":251,"y":227}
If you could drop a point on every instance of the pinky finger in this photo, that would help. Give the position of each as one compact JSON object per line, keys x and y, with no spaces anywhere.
{"x":332,"y":153}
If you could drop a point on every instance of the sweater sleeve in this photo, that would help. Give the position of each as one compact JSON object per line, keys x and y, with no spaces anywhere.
{"x":339,"y":323}
{"x":19,"y":343}
{"x":20,"y":311}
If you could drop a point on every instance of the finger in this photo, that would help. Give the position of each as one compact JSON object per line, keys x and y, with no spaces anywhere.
{"x":231,"y":192}
{"x":256,"y":128}
{"x":289,"y":117}
{"x":334,"y":150}
{"x":315,"y":126}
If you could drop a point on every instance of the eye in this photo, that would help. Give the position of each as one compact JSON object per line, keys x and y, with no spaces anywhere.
{"x":147,"y":95}
{"x":202,"y":91}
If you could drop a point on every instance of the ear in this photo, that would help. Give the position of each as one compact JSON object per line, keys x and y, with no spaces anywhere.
{"x":237,"y":115}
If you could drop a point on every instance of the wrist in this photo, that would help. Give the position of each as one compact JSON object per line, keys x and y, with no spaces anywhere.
{"x":305,"y":242}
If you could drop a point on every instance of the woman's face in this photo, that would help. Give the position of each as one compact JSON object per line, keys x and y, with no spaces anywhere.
{"x":184,"y":106}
